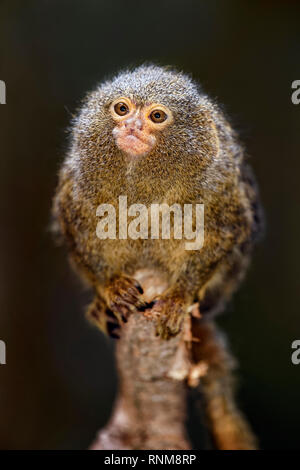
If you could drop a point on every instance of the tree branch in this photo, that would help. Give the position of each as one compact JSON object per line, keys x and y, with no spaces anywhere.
{"x":150,"y":411}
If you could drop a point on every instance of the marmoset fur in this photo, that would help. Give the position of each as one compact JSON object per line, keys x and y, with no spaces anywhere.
{"x":151,"y":134}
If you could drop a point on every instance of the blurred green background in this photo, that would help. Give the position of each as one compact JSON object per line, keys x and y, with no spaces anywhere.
{"x":59,"y":382}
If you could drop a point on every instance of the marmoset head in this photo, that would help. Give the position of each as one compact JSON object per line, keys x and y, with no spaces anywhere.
{"x":150,"y":111}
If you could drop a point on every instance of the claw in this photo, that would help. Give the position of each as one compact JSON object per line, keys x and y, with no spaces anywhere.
{"x":124,"y":296}
{"x":138,"y":287}
{"x":113,"y":330}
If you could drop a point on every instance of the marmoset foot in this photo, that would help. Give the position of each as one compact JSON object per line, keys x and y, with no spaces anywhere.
{"x":103,"y":318}
{"x":171,"y":311}
{"x":124,"y":295}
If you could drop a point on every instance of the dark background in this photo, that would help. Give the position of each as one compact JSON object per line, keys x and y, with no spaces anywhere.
{"x":59,"y":382}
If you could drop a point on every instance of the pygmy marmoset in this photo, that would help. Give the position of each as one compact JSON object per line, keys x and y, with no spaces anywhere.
{"x":152,"y":135}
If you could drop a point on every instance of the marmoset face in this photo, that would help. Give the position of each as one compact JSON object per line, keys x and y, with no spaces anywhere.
{"x":137,"y":126}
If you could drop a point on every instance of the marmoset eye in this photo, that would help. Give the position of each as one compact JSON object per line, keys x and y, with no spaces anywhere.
{"x":121,"y":108}
{"x":158,"y":116}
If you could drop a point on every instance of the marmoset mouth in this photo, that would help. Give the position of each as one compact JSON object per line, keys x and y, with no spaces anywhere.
{"x":134,"y":143}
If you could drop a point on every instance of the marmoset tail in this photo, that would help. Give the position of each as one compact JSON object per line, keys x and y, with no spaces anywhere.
{"x":151,"y":138}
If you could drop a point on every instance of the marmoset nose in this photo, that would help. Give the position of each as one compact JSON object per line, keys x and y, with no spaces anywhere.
{"x":134,"y":123}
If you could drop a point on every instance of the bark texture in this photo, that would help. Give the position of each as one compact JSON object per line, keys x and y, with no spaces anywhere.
{"x":150,"y":411}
